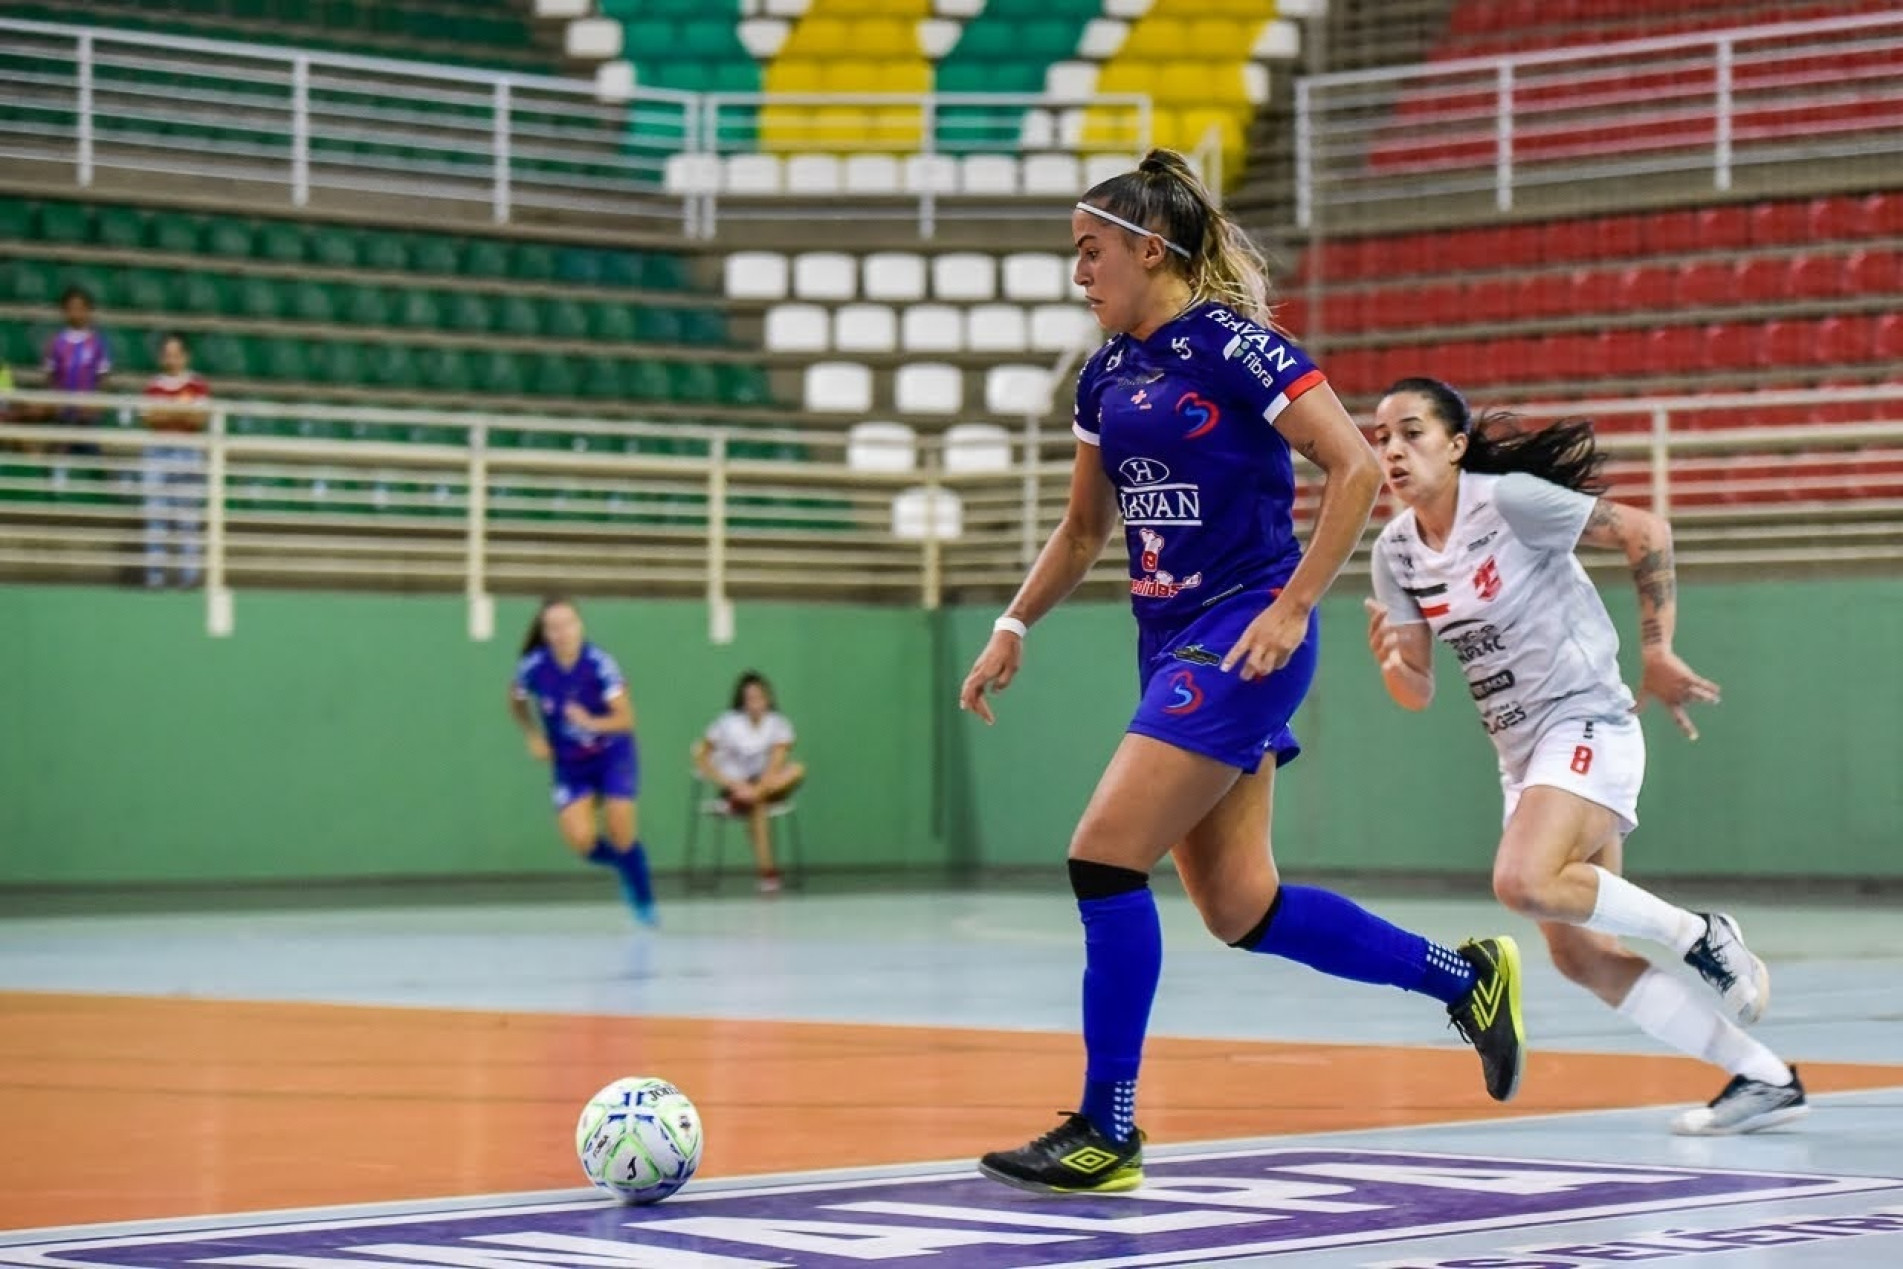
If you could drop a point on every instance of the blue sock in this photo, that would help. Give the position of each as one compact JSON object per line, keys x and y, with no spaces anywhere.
{"x":633,"y":864}
{"x":1325,"y":931}
{"x":1123,"y":958}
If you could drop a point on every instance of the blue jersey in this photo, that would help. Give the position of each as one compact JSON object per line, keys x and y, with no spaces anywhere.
{"x":592,"y":682}
{"x":1184,"y":421}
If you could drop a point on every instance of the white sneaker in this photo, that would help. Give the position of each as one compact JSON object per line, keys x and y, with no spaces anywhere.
{"x":1722,"y":960}
{"x":1746,"y":1105}
{"x":769,"y":883}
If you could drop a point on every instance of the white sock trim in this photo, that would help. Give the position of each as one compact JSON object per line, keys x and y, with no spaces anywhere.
{"x":1624,"y":909}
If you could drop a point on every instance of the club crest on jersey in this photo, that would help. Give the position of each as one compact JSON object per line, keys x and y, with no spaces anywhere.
{"x":1487,"y":581}
{"x":1180,"y":346}
{"x":1202,"y":413}
{"x":1148,"y":495}
{"x":1155,"y":583}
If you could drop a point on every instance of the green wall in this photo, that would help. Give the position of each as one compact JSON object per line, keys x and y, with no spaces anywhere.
{"x":349,"y":735}
{"x":353,"y":735}
{"x":1797,"y":772}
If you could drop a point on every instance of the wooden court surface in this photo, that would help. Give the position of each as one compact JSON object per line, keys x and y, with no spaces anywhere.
{"x":122,"y":1108}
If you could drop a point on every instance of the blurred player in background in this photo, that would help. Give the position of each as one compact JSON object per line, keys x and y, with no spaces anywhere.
{"x":172,"y":479}
{"x":1184,"y":421}
{"x":746,"y":752}
{"x":572,"y":704}
{"x":1482,"y":559}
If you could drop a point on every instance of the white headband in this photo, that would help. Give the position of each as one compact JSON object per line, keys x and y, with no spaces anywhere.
{"x":1101,"y":214}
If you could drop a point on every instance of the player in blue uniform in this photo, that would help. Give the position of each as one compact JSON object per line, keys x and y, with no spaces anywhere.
{"x":1184,"y":422}
{"x":571,"y":702}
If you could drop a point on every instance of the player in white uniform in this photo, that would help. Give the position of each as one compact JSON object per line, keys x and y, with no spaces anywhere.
{"x":1482,"y":559}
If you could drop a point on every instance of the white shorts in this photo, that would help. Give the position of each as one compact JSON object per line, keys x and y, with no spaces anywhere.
{"x":1599,"y":759}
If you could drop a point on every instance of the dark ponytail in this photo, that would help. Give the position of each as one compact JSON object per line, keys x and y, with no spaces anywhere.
{"x":747,"y":680}
{"x":535,"y":640}
{"x":1165,"y":195}
{"x":1565,"y":453}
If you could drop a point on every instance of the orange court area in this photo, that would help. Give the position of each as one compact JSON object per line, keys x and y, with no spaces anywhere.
{"x":121,"y":1108}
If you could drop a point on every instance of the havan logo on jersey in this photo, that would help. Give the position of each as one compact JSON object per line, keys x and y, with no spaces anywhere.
{"x":1266,"y":355}
{"x":1149,"y":496}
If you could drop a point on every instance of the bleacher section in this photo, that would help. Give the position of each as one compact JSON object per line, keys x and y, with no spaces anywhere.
{"x":1780,"y":292}
{"x":490,"y":33}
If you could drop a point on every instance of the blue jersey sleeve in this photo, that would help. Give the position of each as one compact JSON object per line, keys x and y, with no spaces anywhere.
{"x":609,"y":674}
{"x":1083,"y":415}
{"x":1263,"y":369}
{"x":523,"y":670}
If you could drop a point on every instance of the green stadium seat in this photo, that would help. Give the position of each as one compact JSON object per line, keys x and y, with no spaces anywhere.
{"x":339,"y":362}
{"x":221,"y":356}
{"x":467,"y":311}
{"x":281,"y":241}
{"x":534,"y":262}
{"x":283,"y":360}
{"x":498,"y":374}
{"x":611,"y":322}
{"x":230,"y":238}
{"x":664,"y":273}
{"x":66,"y":222}
{"x":646,"y":381}
{"x":366,"y":306}
{"x":260,"y":298}
{"x":417,"y":309}
{"x":706,"y":327}
{"x":16,"y":219}
{"x":742,"y":384}
{"x":436,"y":254}
{"x":17,"y":344}
{"x":565,"y":319}
{"x":486,"y":258}
{"x":518,"y":315}
{"x":313,"y":302}
{"x":386,"y":252}
{"x":444,"y":370}
{"x":203,"y":294}
{"x":601,"y":378}
{"x":657,"y":325}
{"x":335,"y":248}
{"x":579,"y":265}
{"x":391,"y":366}
{"x":553,"y":375}
{"x":28,"y":282}
{"x":694,"y":382}
{"x":123,"y":228}
{"x":176,"y":232}
{"x":145,"y":290}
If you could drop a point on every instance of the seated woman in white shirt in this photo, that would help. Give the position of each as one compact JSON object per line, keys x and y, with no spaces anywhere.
{"x":744,"y":751}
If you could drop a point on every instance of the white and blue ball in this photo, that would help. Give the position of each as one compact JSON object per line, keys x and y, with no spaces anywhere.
{"x":639,"y":1139}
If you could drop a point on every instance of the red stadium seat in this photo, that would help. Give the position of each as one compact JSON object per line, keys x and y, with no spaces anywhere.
{"x":1671,"y":233}
{"x":1880,"y":216}
{"x":1814,"y":277}
{"x":1842,"y":341}
{"x":1519,"y":245}
{"x":1872,"y":272}
{"x":1831,"y":219}
{"x":1443,"y":304}
{"x":1775,"y":224}
{"x":1736,"y":346}
{"x":1786,"y":343}
{"x":1887,"y":338}
{"x":1621,"y":237}
{"x":1595,"y":291}
{"x":1646,"y":289}
{"x":1760,"y":279}
{"x":1723,"y":228}
{"x":1344,"y":311}
{"x":1674,"y":351}
{"x":1625,"y":353}
{"x":1548,"y":295}
{"x":1705,"y":284}
{"x":1494,"y":299}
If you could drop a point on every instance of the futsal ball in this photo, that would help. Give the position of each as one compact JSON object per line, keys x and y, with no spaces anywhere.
{"x":639,"y":1139}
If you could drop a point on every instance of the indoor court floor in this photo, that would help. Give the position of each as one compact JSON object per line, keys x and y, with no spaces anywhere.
{"x":183,"y":1089}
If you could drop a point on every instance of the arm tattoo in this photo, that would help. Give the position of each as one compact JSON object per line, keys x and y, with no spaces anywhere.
{"x":1651,"y":631}
{"x":1309,"y":449}
{"x":1604,"y":518}
{"x":1654,"y":576}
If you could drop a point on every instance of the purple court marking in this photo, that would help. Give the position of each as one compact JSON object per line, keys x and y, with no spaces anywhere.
{"x":1194,"y":1208}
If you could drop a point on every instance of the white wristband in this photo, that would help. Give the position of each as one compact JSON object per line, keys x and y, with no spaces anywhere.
{"x":1012,"y":624}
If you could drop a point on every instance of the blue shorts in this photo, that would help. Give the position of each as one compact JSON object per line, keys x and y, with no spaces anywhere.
{"x":1190,"y":703}
{"x":613,"y":773}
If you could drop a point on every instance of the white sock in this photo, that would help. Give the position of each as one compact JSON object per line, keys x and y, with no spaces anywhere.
{"x":1673,"y":1014}
{"x":1629,"y":912}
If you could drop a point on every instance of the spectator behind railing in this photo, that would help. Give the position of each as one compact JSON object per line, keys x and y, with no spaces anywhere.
{"x":78,"y":358}
{"x":744,"y":751}
{"x":173,"y":476}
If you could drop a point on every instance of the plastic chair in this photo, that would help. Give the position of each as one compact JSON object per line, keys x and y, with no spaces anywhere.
{"x":705,"y":802}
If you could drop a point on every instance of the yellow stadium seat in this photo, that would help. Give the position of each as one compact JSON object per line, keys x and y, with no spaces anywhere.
{"x":896,"y":129}
{"x":822,"y":37}
{"x":914,"y":9}
{"x":851,"y":76}
{"x":1191,"y":125}
{"x":796,"y":76}
{"x":886,"y":37}
{"x":786,"y":128}
{"x":1220,"y":37}
{"x":905,"y":77}
{"x":1201,"y":83}
{"x":1127,"y":77}
{"x":1160,"y":38}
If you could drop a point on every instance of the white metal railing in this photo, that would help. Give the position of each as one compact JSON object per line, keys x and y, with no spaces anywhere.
{"x":288,"y":495}
{"x":85,"y":100}
{"x":1718,"y":102}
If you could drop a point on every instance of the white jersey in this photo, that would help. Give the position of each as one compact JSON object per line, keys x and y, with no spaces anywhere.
{"x":1507,"y":594}
{"x":742,"y":749}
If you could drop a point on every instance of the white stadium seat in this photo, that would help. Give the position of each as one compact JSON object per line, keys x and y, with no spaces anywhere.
{"x":925,"y":512}
{"x":995,"y":328}
{"x":824,"y":275}
{"x":751,"y":174}
{"x":838,"y":387}
{"x":933,"y":173}
{"x":872,"y":174}
{"x":865,"y":328}
{"x":1058,"y":327}
{"x":1053,"y":175}
{"x":964,"y":275}
{"x":1036,"y":275}
{"x":932,"y":328}
{"x":988,"y":174}
{"x":977,"y":447}
{"x":796,"y":328}
{"x":1015,"y":391}
{"x":881,"y":447}
{"x":892,"y":275}
{"x":814,"y":174}
{"x":755,"y":275}
{"x":929,"y":387}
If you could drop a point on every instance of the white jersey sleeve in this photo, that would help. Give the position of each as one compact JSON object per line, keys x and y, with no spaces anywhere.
{"x":1403,"y":609}
{"x":1545,"y":516}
